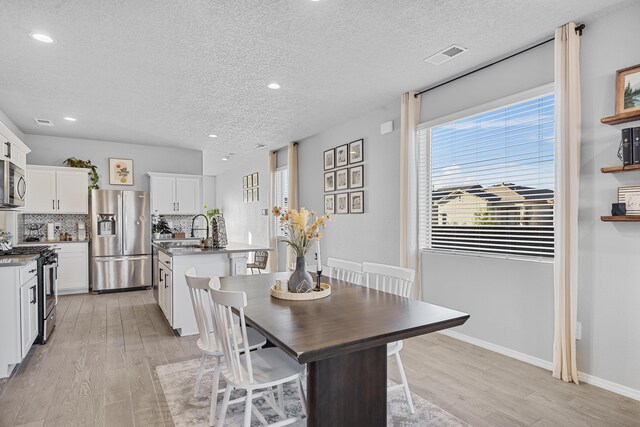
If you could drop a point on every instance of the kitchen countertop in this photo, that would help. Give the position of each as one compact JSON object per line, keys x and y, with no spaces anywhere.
{"x":230,"y":248}
{"x":17,"y":260}
{"x":176,"y":239}
{"x":51,"y":242}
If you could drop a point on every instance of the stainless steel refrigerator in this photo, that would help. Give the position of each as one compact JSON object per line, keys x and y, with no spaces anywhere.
{"x":120,"y":255}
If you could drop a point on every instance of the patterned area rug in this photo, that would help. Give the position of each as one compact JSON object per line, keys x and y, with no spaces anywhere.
{"x":178,"y":381}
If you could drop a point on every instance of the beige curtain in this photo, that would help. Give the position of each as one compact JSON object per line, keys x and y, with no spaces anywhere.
{"x":273,"y":241}
{"x":292,"y":165}
{"x":567,"y":131}
{"x":409,"y":251}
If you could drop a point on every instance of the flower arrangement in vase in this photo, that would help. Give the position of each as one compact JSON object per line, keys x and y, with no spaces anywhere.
{"x":302,"y":229}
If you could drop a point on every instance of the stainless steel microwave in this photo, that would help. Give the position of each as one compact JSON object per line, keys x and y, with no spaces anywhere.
{"x":13,"y":185}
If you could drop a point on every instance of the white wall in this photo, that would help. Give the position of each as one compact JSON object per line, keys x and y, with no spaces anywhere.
{"x":609,"y":289}
{"x":245,"y":221}
{"x":50,"y":150}
{"x":374,"y":235}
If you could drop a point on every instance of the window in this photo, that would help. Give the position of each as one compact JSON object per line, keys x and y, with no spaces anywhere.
{"x":281,"y":193}
{"x":486,"y":181}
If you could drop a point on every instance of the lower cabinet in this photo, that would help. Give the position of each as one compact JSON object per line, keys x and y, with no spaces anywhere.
{"x":165,"y":291}
{"x":73,"y":268}
{"x":28,"y":315}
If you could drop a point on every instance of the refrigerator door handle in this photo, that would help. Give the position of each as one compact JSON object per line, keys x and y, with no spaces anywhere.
{"x":129,"y":258}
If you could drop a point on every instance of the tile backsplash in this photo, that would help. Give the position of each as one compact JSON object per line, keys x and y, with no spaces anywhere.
{"x":182,"y":223}
{"x":68,"y":224}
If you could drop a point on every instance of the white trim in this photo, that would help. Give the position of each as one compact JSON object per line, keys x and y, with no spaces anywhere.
{"x":58,"y":168}
{"x":541,"y":363}
{"x":508,"y":257}
{"x":173,"y":175}
{"x":536,"y":92}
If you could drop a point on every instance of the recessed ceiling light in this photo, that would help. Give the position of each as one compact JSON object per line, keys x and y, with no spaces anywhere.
{"x":273,"y":86}
{"x":225,"y":158}
{"x":70,"y":119}
{"x":212,"y":135}
{"x":42,"y":38}
{"x":257,"y":146}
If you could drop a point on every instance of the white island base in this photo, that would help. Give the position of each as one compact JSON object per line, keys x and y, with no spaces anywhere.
{"x":173,"y":294}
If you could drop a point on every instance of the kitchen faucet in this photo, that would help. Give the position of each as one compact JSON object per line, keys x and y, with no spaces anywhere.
{"x":193,"y":221}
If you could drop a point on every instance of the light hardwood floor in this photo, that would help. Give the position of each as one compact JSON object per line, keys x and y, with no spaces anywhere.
{"x":99,"y":369}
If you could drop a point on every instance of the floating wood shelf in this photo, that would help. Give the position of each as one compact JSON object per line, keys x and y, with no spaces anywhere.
{"x":616,"y":169}
{"x":627,"y":218}
{"x":629,"y":116}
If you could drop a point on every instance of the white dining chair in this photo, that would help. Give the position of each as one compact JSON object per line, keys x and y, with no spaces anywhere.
{"x":207,"y":343}
{"x":398,"y":281}
{"x":348,"y":271}
{"x":256,"y":372}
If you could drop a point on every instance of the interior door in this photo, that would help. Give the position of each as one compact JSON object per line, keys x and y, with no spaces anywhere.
{"x":188,"y":197}
{"x":163,"y":191}
{"x":41,"y":192}
{"x":136,"y":227}
{"x":72,"y":191}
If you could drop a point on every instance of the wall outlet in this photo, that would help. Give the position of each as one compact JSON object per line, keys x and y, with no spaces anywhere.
{"x":578,"y":330}
{"x":57,"y":226}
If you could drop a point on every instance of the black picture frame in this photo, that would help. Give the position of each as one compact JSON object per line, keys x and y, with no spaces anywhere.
{"x":356,"y":177}
{"x":329,"y":159}
{"x":329,"y":181}
{"x":255,"y":179}
{"x":356,"y":202}
{"x":244,"y":182}
{"x":342,"y":184}
{"x":340,"y":207}
{"x":329,"y":204}
{"x":356,"y":151}
{"x":342,"y":155}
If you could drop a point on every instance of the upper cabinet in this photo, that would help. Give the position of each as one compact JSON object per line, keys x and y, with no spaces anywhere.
{"x":12,"y":148}
{"x":57,"y":190}
{"x":176,"y":194}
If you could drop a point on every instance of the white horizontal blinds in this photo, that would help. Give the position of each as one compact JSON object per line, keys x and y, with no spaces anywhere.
{"x":486,"y":181}
{"x":281,"y":193}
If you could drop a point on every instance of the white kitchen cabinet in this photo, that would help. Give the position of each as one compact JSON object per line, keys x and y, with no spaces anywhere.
{"x":173,"y":194}
{"x":55,"y":189}
{"x":28,"y":315}
{"x":73,"y":268}
{"x":165,"y":291}
{"x":12,"y":148}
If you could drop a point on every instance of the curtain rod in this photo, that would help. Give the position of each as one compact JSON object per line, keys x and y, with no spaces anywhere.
{"x":579,"y":29}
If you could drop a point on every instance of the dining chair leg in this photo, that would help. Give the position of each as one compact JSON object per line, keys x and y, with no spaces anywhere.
{"x":225,"y":404}
{"x":405,"y":384}
{"x":280,"y":397}
{"x":247,"y":409}
{"x":303,"y":398}
{"x":214,"y":392}
{"x":203,"y":363}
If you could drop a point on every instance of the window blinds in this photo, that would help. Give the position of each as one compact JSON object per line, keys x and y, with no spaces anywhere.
{"x":486,"y":182}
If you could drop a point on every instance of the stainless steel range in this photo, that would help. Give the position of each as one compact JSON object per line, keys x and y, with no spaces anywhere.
{"x":47,"y":286}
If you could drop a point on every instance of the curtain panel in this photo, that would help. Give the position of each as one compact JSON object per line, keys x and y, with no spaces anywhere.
{"x":292,"y":166}
{"x":273,"y":240}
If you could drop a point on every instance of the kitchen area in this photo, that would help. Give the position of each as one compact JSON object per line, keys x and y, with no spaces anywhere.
{"x":61,"y":235}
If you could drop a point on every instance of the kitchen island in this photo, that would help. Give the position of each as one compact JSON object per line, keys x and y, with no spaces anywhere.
{"x":175,"y":257}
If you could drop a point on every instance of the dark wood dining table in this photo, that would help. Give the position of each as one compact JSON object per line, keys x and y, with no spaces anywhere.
{"x":343,"y":338}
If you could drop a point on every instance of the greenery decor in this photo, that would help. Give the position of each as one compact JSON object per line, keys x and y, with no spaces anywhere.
{"x":210,"y":212}
{"x":93,"y":175}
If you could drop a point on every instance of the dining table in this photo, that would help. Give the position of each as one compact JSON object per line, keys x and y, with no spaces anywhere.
{"x":343,"y":340}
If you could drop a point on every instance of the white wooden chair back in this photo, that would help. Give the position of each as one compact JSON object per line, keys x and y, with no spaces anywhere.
{"x":202,"y":305}
{"x":348,"y":271}
{"x":232,"y":340}
{"x":388,"y":278}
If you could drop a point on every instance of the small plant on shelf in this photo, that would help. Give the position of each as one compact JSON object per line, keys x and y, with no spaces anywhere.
{"x":86,"y":164}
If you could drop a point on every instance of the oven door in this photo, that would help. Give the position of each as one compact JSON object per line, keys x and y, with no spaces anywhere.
{"x":50,"y":287}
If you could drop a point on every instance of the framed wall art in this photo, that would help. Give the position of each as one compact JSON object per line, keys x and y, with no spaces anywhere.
{"x":256,"y":195}
{"x":329,"y":181}
{"x":329,"y":159}
{"x":249,"y":181}
{"x":244,"y":182}
{"x":628,"y":89}
{"x":255,"y":179}
{"x":342,"y":155}
{"x":356,"y":154}
{"x":329,"y":204}
{"x":356,"y":177}
{"x":342,"y":203}
{"x":244,"y":195}
{"x":342,"y":179}
{"x":356,"y":202}
{"x":120,"y":171}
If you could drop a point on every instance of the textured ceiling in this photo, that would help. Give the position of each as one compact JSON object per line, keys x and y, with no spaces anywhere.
{"x":171,"y":72}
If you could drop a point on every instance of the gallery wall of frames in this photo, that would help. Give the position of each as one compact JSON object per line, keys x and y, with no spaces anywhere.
{"x":250,"y":192}
{"x":344,"y":178}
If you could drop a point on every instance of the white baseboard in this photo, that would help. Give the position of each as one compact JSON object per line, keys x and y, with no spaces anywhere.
{"x":541,"y":363}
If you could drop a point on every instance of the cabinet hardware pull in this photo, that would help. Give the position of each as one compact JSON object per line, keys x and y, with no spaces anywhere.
{"x":53,"y":206}
{"x":58,"y":204}
{"x":33,"y":293}
{"x":33,"y":271}
{"x":8,"y":144}
{"x":160,"y":275}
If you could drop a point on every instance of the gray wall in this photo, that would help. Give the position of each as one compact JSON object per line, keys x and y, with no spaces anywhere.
{"x":52,"y":151}
{"x":375,"y":235}
{"x":510,"y":302}
{"x":609,"y":294}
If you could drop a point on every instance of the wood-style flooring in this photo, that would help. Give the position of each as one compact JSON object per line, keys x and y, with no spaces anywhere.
{"x":99,"y":369}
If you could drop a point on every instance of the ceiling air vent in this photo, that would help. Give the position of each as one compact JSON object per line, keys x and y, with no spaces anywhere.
{"x":43,"y":122}
{"x":446,"y":54}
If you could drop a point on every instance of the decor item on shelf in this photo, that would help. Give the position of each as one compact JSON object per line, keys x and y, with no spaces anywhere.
{"x":301,"y":228}
{"x":342,"y":179}
{"x":618,"y":209}
{"x":282,"y":285}
{"x":329,"y":203}
{"x":329,"y":159}
{"x":342,"y":203}
{"x":120,"y":171}
{"x":356,"y":153}
{"x":356,"y":177}
{"x":630,"y":196}
{"x":625,"y":151}
{"x":342,"y":155}
{"x":329,"y":181}
{"x":628,"y":89}
{"x":356,"y":202}
{"x":5,"y":240}
{"x":86,"y":164}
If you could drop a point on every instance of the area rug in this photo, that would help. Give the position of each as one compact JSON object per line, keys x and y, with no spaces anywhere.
{"x":178,"y":381}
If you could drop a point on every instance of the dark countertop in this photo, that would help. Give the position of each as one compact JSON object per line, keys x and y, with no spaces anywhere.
{"x":51,"y":242}
{"x":17,"y":260}
{"x":196,"y":250}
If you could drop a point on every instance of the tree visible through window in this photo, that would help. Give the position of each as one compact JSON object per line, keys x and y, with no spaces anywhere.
{"x":486,"y":181}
